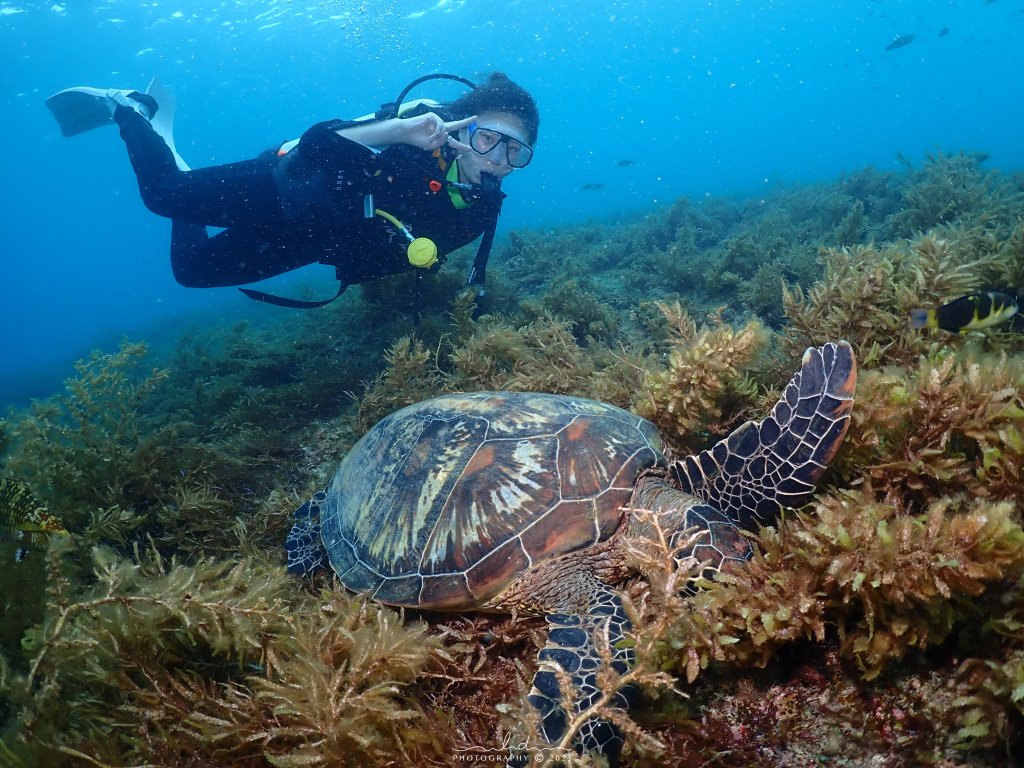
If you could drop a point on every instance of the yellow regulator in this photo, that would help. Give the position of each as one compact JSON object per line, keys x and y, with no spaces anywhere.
{"x":422,"y":251}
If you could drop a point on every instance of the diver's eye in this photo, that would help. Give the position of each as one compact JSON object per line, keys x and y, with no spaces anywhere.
{"x":487,"y":139}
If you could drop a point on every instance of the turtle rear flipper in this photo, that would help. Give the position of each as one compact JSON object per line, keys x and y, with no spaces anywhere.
{"x":304,"y":548}
{"x":763,"y":466}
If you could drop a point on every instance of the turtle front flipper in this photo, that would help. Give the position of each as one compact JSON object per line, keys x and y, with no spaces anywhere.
{"x":574,"y":643}
{"x":304,"y":547}
{"x":774,"y":463}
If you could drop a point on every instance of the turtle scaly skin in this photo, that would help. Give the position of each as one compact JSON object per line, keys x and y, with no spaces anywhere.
{"x":517,"y":502}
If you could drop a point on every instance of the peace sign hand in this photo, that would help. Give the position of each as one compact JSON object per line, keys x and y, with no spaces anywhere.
{"x":429,"y":131}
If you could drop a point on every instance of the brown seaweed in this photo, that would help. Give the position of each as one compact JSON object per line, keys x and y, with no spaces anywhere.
{"x":884,"y":621}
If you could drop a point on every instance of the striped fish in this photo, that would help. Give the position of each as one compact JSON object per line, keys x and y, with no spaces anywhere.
{"x":23,"y":516}
{"x":968,"y":313}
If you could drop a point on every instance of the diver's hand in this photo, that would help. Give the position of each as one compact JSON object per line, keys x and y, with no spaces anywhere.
{"x":429,"y":131}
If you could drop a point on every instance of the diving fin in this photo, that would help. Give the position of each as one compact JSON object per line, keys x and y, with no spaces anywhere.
{"x":81,"y":109}
{"x":163,"y":120}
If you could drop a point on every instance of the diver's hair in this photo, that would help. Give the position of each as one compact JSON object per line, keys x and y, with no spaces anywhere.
{"x":499,"y":94}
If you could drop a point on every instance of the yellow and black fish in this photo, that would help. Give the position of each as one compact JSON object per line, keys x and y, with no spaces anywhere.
{"x":968,"y":313}
{"x":22,"y":515}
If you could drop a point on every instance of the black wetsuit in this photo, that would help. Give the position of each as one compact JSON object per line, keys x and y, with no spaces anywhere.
{"x":283,"y":212}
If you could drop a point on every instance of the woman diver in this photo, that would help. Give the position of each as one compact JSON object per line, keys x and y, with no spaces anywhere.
{"x":347,"y":193}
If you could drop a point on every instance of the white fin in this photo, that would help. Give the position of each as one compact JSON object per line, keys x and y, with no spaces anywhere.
{"x":163,"y":120}
{"x":80,"y":109}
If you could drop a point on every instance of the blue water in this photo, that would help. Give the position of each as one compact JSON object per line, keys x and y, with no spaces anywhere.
{"x":716,"y":97}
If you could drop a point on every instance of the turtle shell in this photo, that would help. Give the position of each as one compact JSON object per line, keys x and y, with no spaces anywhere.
{"x":446,"y":502}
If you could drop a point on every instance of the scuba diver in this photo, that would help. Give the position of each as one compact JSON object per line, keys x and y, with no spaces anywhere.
{"x":348,"y":193}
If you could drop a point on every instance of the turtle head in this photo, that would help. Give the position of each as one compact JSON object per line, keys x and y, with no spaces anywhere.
{"x":304,"y":547}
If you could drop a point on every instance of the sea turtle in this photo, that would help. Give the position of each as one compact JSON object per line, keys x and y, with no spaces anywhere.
{"x":519,"y":502}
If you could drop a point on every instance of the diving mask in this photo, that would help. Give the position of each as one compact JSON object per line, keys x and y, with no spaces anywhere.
{"x":483,"y":141}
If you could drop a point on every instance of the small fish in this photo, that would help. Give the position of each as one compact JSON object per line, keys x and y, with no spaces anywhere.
{"x":592,"y":185}
{"x":625,"y":162}
{"x":900,"y":42}
{"x":968,"y":313}
{"x":943,"y":32}
{"x":21,"y":514}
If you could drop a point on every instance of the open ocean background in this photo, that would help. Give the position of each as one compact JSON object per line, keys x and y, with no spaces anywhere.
{"x":719,"y":97}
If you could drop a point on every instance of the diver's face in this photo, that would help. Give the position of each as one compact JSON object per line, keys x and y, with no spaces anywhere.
{"x":495,"y":162}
